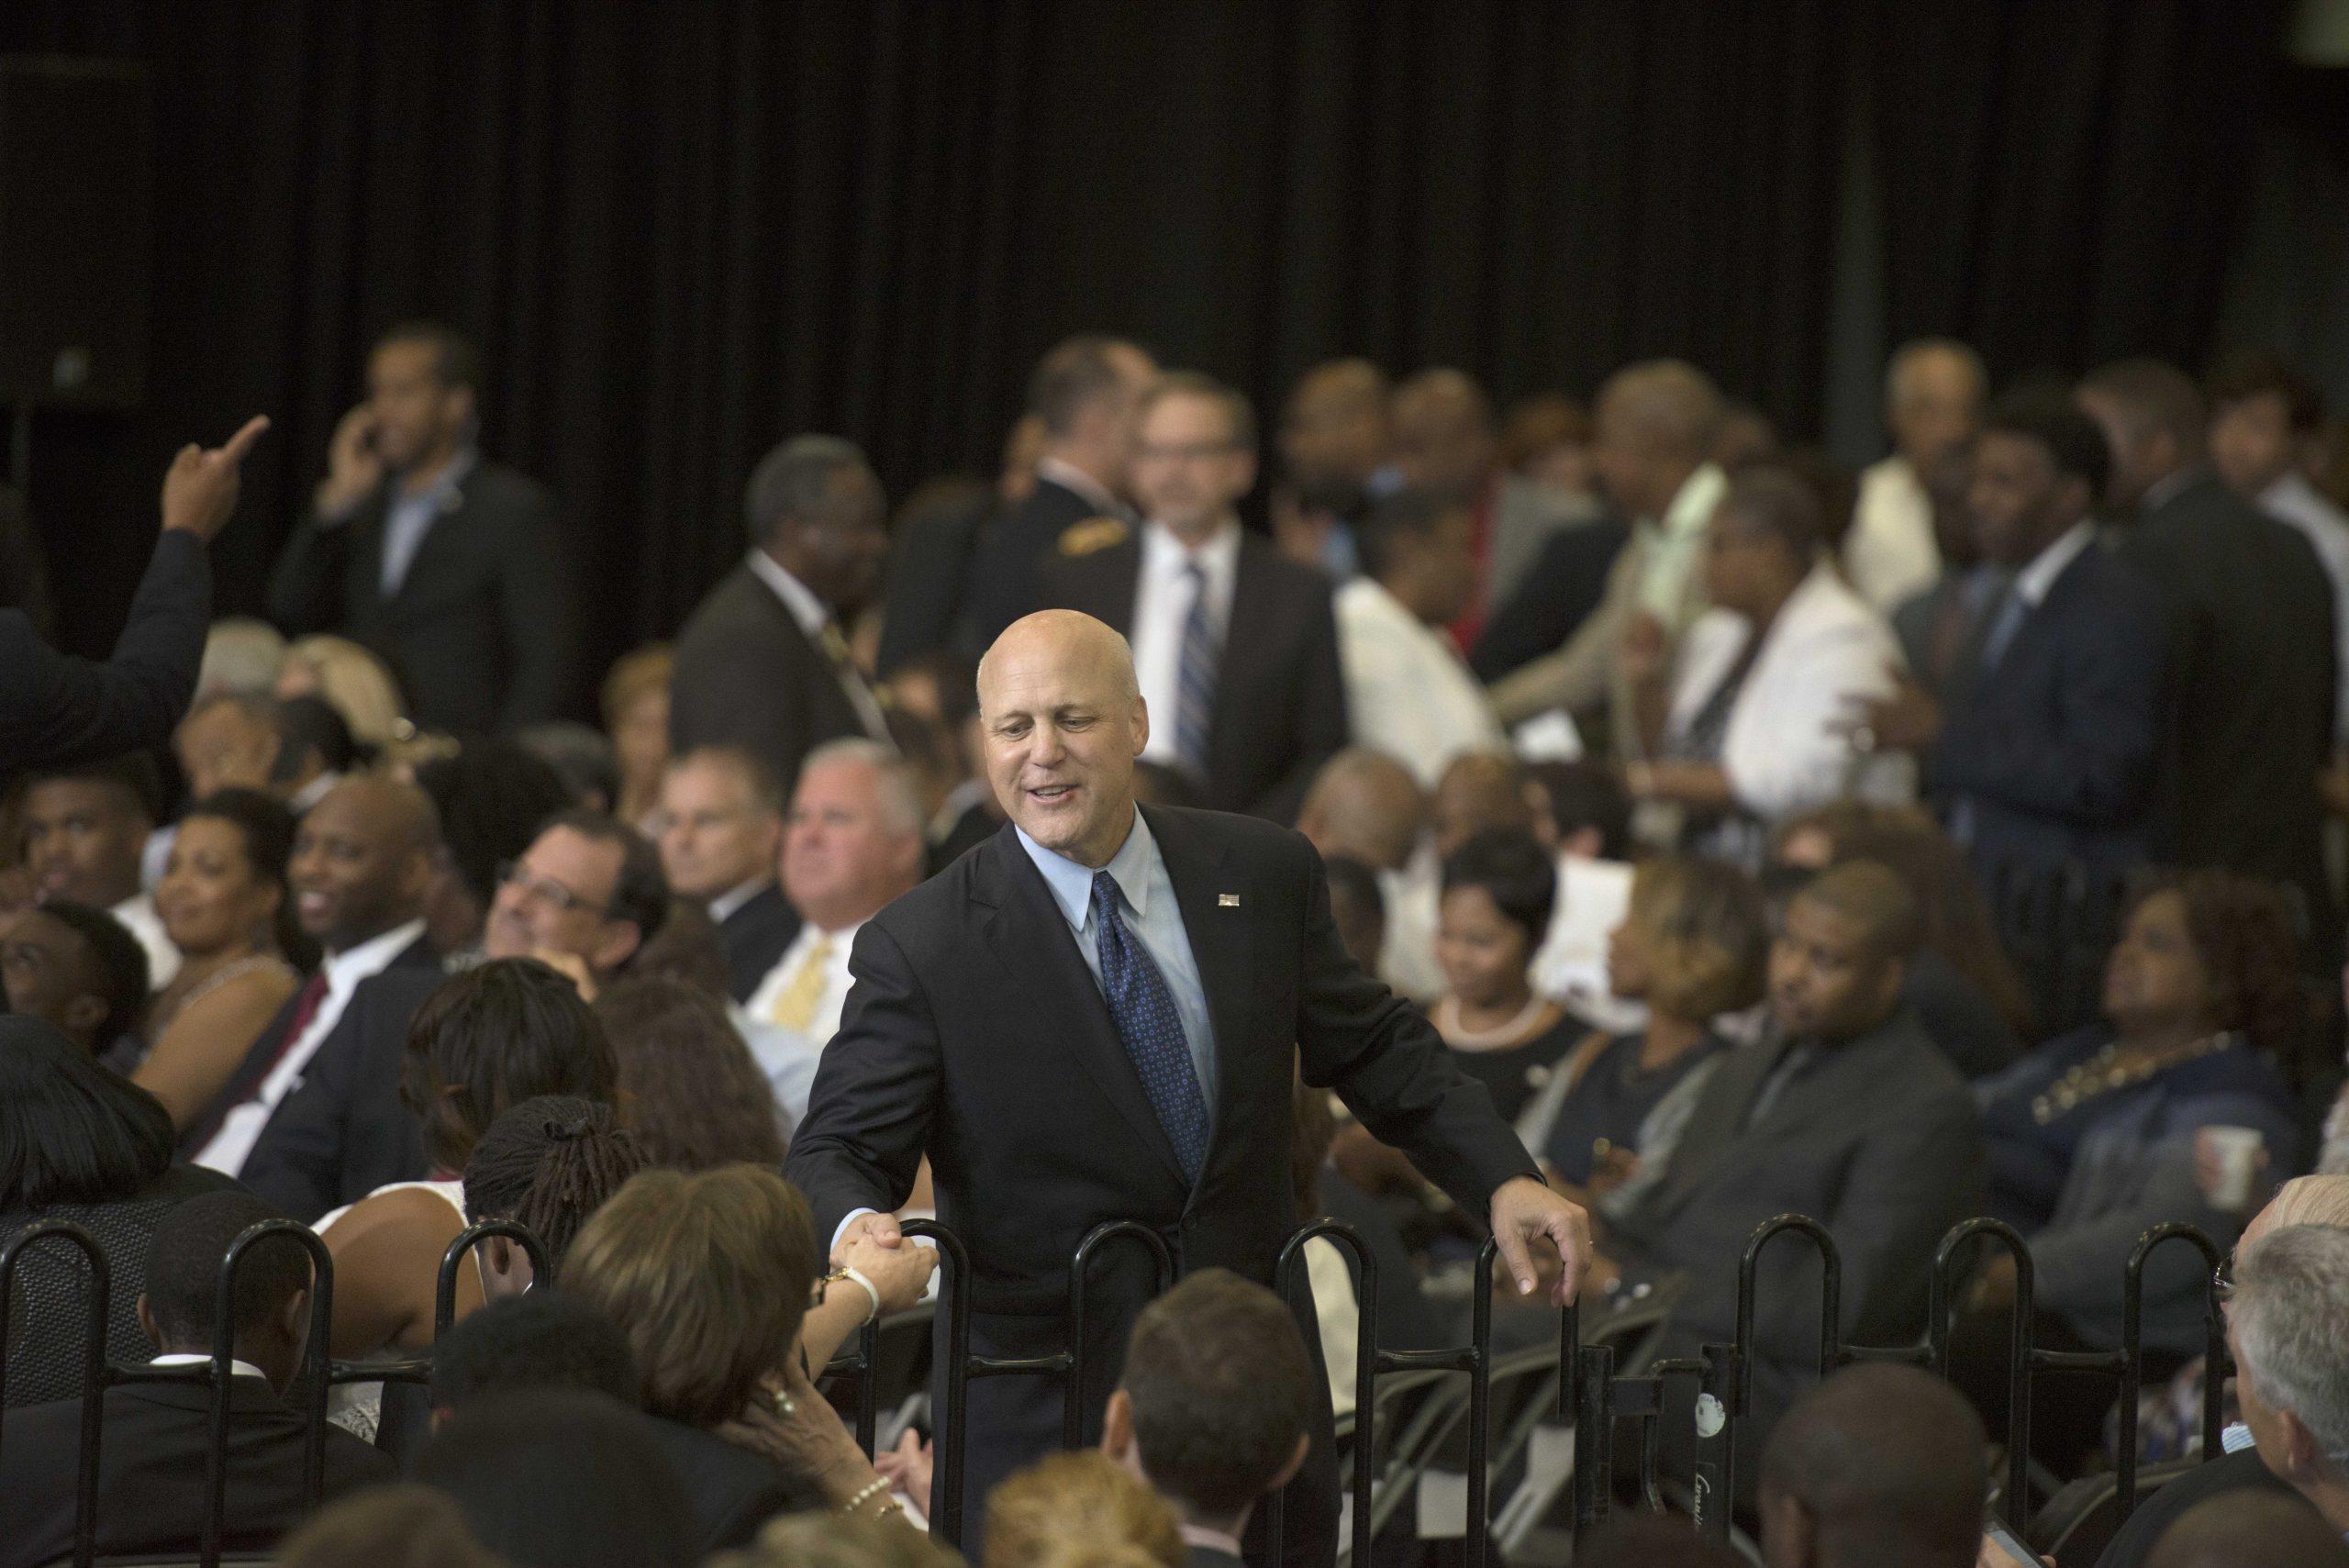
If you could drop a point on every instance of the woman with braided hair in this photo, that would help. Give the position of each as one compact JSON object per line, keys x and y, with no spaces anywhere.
{"x":546,"y":1164}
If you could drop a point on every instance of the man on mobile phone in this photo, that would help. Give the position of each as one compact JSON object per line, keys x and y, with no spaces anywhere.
{"x":448,"y":567}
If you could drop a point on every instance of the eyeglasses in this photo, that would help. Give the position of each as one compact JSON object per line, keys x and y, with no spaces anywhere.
{"x":514,"y":874}
{"x":2223,"y":1279}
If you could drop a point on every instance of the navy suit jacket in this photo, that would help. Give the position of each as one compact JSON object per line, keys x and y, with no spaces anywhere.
{"x":340,"y":1133}
{"x":2057,"y":748}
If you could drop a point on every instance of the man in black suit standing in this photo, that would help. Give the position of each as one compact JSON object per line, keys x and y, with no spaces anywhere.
{"x":2044,"y":748}
{"x":1083,"y":394}
{"x":1096,"y":1015}
{"x":2251,"y":619}
{"x":449,"y":568}
{"x":721,"y":840}
{"x":763,"y":663}
{"x":1235,"y":647}
{"x":151,"y":1453}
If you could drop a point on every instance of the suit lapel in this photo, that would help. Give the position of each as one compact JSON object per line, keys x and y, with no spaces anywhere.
{"x":1248,"y":638}
{"x":1031,"y":938}
{"x":1218,"y":934}
{"x":1719,"y":1116}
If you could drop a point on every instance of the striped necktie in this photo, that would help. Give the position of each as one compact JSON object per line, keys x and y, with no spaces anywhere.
{"x":1194,"y":680}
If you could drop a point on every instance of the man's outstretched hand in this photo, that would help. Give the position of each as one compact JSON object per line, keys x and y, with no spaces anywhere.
{"x":200,"y":487}
{"x":1523,"y":1211}
{"x":881,"y":1229}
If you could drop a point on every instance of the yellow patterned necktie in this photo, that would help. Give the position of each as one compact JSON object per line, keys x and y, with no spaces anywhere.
{"x":794,"y":1009}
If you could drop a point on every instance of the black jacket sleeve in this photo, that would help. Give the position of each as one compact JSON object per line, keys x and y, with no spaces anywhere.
{"x":57,"y":708}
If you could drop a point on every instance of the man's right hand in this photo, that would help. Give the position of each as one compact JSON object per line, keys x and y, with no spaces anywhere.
{"x":881,"y":1229}
{"x":353,"y":471}
{"x":200,"y":487}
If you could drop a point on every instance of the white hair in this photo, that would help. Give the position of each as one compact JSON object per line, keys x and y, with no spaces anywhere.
{"x":900,"y":801}
{"x":2290,"y":1314}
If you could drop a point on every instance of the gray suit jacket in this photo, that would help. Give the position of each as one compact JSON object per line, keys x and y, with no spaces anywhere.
{"x":1877,"y":1140}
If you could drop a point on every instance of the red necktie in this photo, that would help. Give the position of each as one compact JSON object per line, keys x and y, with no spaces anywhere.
{"x":306,"y":1009}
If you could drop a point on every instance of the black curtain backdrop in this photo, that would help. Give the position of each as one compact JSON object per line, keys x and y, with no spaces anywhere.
{"x":683,"y":230}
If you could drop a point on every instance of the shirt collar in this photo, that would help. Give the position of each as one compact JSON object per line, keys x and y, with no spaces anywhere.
{"x":2160,"y":491}
{"x":1213,"y":1539}
{"x":1071,"y":884}
{"x":723,"y":907}
{"x":444,"y":492}
{"x":1068,"y":476}
{"x":348,"y":968}
{"x":2032,"y":583}
{"x":1162,"y":551}
{"x":810,"y":612}
{"x":184,"y":1358}
{"x":1692,"y":505}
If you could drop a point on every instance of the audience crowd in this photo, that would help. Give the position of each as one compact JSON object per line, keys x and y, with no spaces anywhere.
{"x":1966,"y":837}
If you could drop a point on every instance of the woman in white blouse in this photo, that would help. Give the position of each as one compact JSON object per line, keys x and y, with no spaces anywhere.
{"x":1751,"y":720}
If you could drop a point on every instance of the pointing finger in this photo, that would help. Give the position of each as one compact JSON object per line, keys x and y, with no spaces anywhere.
{"x":242,"y":441}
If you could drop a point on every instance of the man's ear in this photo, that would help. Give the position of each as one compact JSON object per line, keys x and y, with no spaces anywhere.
{"x":1295,"y":1462}
{"x":84,"y":1013}
{"x":1583,"y":844}
{"x":1789,"y":1535}
{"x":1141,"y":724}
{"x":1117,"y":1426}
{"x":2301,"y":1450}
{"x":147,"y":1322}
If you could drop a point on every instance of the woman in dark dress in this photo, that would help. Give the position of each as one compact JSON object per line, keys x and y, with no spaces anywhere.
{"x":1693,"y":946}
{"x":1498,"y":894}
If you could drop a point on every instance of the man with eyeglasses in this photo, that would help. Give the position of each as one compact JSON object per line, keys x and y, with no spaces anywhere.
{"x":585,"y":898}
{"x":721,"y":826}
{"x":2308,"y":1201}
{"x":1235,"y":647}
{"x":362,"y":865}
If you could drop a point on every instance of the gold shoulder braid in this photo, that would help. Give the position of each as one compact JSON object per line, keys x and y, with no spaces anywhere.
{"x":2105,"y":1073}
{"x":1092,"y":535}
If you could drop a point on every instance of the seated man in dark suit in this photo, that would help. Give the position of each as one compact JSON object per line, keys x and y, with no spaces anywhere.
{"x":763,"y":662}
{"x":151,"y":1457}
{"x":1214,"y":1406}
{"x":2043,"y":746}
{"x":448,"y":568}
{"x":721,"y":840}
{"x":1235,"y":647}
{"x":583,"y":898}
{"x":1847,"y":1114}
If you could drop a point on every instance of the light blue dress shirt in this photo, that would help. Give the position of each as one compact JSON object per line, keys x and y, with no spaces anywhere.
{"x":410,"y":517}
{"x":1153,"y":917}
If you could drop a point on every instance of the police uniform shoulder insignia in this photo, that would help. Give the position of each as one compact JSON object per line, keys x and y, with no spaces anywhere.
{"x":1092,"y":535}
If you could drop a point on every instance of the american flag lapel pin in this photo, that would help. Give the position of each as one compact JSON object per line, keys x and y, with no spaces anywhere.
{"x":1227,"y":901}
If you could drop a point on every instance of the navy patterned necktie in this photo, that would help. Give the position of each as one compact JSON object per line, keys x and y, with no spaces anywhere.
{"x":1143,"y":1010}
{"x":1194,"y":678}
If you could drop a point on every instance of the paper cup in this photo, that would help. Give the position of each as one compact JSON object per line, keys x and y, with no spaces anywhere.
{"x":2236,"y":1152}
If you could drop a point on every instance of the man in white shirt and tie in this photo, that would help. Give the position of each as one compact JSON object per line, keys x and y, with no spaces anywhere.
{"x":362,"y":861}
{"x":854,"y":843}
{"x":1933,"y":392}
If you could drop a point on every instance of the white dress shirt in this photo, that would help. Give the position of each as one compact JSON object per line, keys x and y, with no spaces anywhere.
{"x":241,"y":1127}
{"x":138,"y":915}
{"x":184,"y":1358}
{"x":1890,"y":555}
{"x":1407,"y":692}
{"x":789,"y":1056}
{"x":813,"y":616}
{"x":1786,"y":747}
{"x":1570,"y":966}
{"x":1162,"y":608}
{"x":2293,"y":500}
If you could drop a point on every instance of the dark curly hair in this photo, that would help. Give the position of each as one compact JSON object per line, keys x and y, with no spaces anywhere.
{"x":548,"y":1164}
{"x":2243,"y":932}
{"x":690,"y":1089}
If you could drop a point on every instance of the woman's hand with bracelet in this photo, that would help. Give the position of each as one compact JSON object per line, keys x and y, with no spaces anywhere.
{"x":900,"y":1274}
{"x":792,"y":1427}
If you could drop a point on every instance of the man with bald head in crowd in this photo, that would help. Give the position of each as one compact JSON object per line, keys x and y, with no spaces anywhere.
{"x":1876,"y":1466}
{"x":1448,"y":441}
{"x":1933,"y":394}
{"x":2305,"y":1200}
{"x":1365,"y":806}
{"x":1846,"y":1113}
{"x":1083,"y":394}
{"x":1096,"y":1014}
{"x":362,"y":865}
{"x":1335,"y":435}
{"x":1652,"y":441}
{"x":2251,"y":621}
{"x":853,"y":843}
